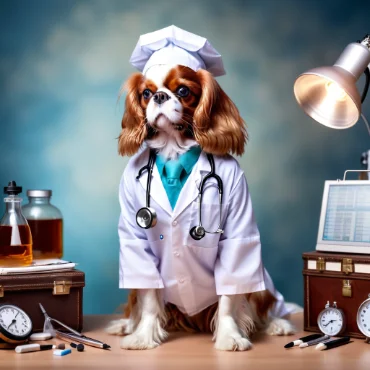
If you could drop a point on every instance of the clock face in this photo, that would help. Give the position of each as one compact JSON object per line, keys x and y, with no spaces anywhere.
{"x":331,"y":321}
{"x":15,"y":324}
{"x":363,"y":318}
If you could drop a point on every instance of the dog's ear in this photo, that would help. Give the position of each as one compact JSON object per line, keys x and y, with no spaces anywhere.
{"x":218,"y":126}
{"x":134,"y":129}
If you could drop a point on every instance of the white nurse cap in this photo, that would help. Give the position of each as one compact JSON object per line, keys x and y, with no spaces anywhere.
{"x":172,"y":45}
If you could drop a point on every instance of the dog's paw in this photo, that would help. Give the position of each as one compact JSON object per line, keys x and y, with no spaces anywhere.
{"x":280,"y":327}
{"x":229,"y":338}
{"x":120,"y":327}
{"x":138,"y":341}
{"x":232,"y":342}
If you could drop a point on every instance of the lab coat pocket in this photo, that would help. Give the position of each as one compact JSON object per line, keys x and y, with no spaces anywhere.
{"x":210,"y":221}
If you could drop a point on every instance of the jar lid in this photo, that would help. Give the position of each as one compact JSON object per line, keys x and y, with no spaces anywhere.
{"x":39,"y":193}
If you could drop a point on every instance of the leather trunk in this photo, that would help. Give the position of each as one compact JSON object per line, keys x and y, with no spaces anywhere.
{"x":335,"y":277}
{"x":60,"y":293}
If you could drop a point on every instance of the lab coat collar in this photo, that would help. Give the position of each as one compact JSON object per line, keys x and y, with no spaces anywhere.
{"x":188,"y":193}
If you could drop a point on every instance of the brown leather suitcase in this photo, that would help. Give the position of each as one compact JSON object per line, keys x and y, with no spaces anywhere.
{"x":59,"y":292}
{"x":343,"y":278}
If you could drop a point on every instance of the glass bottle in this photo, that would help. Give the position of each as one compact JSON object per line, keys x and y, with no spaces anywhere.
{"x":15,"y":234}
{"x":46,"y":223}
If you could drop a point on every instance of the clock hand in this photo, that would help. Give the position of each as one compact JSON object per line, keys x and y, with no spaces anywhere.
{"x":13,"y":321}
{"x":328,"y":323}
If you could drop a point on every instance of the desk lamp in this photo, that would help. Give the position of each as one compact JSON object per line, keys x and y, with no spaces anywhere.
{"x":329,"y":94}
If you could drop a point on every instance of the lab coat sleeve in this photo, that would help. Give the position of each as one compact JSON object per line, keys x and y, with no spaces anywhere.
{"x":138,"y":264}
{"x":239,"y":267}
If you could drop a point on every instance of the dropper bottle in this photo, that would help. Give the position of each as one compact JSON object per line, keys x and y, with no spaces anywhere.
{"x":15,"y":234}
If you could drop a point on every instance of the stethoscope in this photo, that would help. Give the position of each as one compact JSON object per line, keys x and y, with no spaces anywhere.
{"x":146,"y":217}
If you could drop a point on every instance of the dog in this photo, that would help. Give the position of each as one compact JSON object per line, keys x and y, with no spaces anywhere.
{"x":171,"y":109}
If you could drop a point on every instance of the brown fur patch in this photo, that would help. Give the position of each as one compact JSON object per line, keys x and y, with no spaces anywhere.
{"x":201,"y":322}
{"x":218,"y":126}
{"x":262,"y":302}
{"x":134,"y":130}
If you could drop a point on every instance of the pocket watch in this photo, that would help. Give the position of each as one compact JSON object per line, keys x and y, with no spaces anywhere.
{"x":331,"y":320}
{"x":15,"y":324}
{"x":363,"y":318}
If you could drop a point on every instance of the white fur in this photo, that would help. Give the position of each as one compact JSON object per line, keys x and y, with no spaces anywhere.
{"x":120,"y":327}
{"x":169,"y":142}
{"x":279,"y":326}
{"x":171,"y":108}
{"x":232,"y":324}
{"x":148,"y":321}
{"x":158,"y":73}
{"x":164,"y":118}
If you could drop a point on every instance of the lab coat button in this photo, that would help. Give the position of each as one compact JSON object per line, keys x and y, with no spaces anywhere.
{"x":177,"y":254}
{"x":181,"y":280}
{"x":174,"y":223}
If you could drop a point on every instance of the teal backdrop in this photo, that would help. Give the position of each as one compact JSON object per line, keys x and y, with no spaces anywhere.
{"x":61,"y":67}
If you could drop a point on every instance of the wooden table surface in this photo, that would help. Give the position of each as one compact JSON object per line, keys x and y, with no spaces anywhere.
{"x":184,"y":351}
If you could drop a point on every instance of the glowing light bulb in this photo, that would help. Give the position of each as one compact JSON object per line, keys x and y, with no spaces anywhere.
{"x":335,"y":92}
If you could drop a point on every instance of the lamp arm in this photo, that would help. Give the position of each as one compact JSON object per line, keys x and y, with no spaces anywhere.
{"x":364,"y":93}
{"x":366,"y":87}
{"x":366,"y":123}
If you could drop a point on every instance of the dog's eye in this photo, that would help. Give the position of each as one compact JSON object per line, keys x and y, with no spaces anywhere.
{"x":147,"y":94}
{"x":183,"y":91}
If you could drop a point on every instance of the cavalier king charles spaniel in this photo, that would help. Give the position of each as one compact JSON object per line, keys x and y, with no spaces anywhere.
{"x":172,"y":108}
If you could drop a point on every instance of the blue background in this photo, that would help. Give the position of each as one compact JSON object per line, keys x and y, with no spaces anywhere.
{"x":61,"y":67}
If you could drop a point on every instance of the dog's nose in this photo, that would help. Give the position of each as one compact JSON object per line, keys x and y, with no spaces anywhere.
{"x":160,"y":97}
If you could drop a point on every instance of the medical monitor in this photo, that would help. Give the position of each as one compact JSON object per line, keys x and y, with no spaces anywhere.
{"x":345,"y":217}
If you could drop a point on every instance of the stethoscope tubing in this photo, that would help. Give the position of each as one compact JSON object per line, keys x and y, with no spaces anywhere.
{"x":220,"y":192}
{"x":211,"y":174}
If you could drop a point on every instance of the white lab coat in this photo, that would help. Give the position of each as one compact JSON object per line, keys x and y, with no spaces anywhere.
{"x":192,"y":273}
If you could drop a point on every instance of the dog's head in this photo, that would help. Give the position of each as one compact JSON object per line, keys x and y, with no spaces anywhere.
{"x":176,"y":104}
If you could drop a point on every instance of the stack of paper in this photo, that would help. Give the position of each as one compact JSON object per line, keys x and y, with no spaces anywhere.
{"x":39,"y":266}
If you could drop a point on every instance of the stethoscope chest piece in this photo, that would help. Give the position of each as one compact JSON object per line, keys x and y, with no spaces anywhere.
{"x":146,"y":217}
{"x":197,"y":232}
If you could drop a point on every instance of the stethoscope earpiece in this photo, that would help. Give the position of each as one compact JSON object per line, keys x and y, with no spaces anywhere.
{"x":197,"y":232}
{"x":146,"y":217}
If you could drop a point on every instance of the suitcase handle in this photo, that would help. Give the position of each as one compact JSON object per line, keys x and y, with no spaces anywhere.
{"x":345,"y":173}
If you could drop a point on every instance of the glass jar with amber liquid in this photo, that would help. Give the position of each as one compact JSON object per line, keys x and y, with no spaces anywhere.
{"x":15,"y":234}
{"x":46,"y":223}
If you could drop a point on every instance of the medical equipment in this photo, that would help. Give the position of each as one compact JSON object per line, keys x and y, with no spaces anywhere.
{"x":46,"y":224}
{"x":15,"y":233}
{"x":146,"y":217}
{"x":345,"y":217}
{"x":73,"y":335}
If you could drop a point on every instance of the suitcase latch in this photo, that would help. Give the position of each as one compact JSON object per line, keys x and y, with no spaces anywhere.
{"x":62,"y":287}
{"x":347,"y":266}
{"x":347,"y":288}
{"x":320,"y":264}
{"x":1,"y":291}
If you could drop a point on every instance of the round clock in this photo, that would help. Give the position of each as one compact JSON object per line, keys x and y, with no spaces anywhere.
{"x":363,"y":318}
{"x":15,"y":324}
{"x":331,"y":320}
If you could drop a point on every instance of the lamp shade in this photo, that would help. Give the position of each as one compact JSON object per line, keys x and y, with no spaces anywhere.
{"x":329,"y":94}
